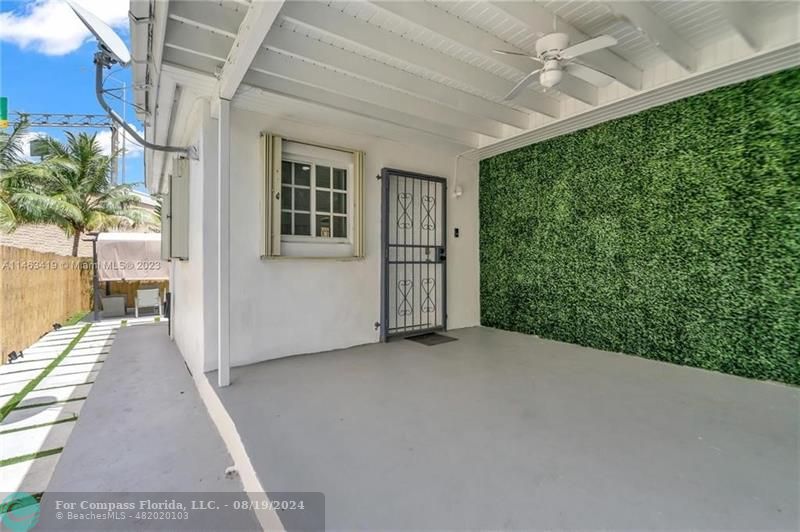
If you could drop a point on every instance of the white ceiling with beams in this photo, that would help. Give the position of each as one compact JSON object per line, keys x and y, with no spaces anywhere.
{"x":427,"y":67}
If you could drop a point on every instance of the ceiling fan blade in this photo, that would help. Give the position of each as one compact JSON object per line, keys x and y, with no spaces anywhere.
{"x":519,"y":87}
{"x":522,"y":54}
{"x":589,"y":74}
{"x":592,"y":45}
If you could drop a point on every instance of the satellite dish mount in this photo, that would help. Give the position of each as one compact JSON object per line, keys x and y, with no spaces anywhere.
{"x":112,"y":50}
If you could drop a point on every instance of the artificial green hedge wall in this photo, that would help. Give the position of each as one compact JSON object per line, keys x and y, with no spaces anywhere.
{"x":673,"y":234}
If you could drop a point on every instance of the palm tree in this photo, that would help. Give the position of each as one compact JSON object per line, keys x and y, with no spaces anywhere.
{"x":70,"y":188}
{"x":11,"y":155}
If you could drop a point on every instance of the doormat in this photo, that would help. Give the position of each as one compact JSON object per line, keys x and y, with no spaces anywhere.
{"x":431,"y":339}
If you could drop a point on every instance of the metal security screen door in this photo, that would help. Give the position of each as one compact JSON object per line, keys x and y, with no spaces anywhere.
{"x":413,"y":242}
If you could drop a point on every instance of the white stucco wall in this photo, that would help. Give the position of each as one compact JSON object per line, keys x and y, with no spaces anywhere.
{"x":193,"y":297}
{"x":284,"y":306}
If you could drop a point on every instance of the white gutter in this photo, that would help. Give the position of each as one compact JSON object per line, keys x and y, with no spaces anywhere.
{"x":157,"y":29}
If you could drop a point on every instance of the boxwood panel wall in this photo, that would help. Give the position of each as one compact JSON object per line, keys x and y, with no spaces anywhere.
{"x":672,"y":234}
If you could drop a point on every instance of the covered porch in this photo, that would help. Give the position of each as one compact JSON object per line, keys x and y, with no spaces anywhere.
{"x":500,"y":430}
{"x":496,"y":429}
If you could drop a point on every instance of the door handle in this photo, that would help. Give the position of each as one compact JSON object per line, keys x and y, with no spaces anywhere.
{"x":441,"y":254}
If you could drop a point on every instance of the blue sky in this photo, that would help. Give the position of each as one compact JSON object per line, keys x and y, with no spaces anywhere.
{"x":46,"y":64}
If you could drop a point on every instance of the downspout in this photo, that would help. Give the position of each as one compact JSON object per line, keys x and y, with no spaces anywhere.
{"x":457,"y":190}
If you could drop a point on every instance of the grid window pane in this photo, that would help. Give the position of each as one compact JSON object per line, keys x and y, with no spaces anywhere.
{"x":302,"y":199}
{"x":302,"y":224}
{"x":323,"y":201}
{"x":340,"y":202}
{"x":340,"y":226}
{"x":324,"y":226}
{"x":327,"y":187}
{"x":286,"y":223}
{"x":286,"y":172}
{"x":302,"y":174}
{"x":324,"y":176}
{"x":339,"y":179}
{"x":286,"y":198}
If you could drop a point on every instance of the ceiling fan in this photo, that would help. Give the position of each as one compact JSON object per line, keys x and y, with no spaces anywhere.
{"x":557,"y":56}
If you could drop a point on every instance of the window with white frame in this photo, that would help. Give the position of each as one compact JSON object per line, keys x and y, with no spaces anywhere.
{"x":314,"y":200}
{"x":314,"y":204}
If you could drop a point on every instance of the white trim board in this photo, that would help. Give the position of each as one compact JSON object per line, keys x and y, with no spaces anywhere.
{"x":267,"y":517}
{"x":756,"y":66}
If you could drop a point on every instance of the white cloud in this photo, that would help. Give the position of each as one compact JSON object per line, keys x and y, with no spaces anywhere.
{"x":132,"y":148}
{"x":50,"y":26}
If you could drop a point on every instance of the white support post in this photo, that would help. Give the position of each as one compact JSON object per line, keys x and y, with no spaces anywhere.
{"x":224,"y":246}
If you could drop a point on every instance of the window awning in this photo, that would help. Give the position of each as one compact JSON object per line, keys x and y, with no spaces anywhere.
{"x":130,"y":257}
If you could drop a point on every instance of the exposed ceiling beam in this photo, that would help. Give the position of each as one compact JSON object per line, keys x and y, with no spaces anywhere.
{"x":741,"y":17}
{"x":465,"y":34}
{"x":658,"y":31}
{"x":314,"y":95}
{"x":334,"y":22}
{"x":328,"y":121}
{"x":185,"y":37}
{"x":201,"y":43}
{"x":298,"y":44}
{"x":754,"y":66}
{"x":296,"y":69}
{"x":179,"y":58}
{"x":257,"y":22}
{"x":208,"y":15}
{"x":540,"y":21}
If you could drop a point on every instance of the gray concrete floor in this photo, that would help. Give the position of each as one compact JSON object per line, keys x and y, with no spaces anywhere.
{"x":502,"y":430}
{"x":145,"y":429}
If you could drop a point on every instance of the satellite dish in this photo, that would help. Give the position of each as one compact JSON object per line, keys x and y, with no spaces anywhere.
{"x":107,"y":37}
{"x":113,"y":50}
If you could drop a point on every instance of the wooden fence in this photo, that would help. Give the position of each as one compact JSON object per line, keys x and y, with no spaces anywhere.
{"x":37,"y":290}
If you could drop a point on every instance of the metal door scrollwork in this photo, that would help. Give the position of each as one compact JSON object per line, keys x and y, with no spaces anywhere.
{"x":413,"y":250}
{"x":404,"y":287}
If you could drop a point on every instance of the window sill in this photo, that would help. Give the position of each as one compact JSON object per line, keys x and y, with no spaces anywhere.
{"x":315,"y":240}
{"x":295,"y":257}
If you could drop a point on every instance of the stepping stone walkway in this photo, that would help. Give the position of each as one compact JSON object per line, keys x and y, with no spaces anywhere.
{"x":36,"y":421}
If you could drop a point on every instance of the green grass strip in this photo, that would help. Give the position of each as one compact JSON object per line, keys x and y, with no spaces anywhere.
{"x":64,"y":386}
{"x":31,"y":456}
{"x":19,"y":396}
{"x":74,"y":319}
{"x":39,"y":425}
{"x":51,"y":403}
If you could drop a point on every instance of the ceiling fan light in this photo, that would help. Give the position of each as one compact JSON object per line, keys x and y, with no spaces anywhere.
{"x":550,"y":78}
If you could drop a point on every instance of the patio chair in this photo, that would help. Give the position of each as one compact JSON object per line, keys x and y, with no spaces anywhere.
{"x":147,"y":297}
